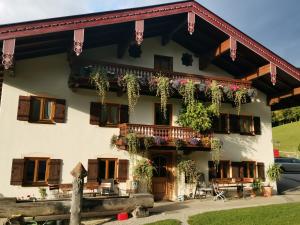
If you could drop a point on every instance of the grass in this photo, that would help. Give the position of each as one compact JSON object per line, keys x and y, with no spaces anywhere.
{"x":288,"y":136}
{"x":284,"y":214}
{"x":165,"y":222}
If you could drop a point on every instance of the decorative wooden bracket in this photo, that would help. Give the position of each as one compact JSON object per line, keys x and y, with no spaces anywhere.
{"x":233,"y":48}
{"x":78,"y":41}
{"x":191,"y":22}
{"x":8,"y":53}
{"x":139,"y":31}
{"x":273,"y":72}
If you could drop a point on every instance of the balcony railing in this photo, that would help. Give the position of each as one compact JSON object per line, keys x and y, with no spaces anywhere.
{"x":169,"y":133}
{"x":81,"y":70}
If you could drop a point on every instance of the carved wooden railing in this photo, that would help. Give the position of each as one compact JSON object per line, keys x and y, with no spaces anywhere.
{"x":143,"y":73}
{"x":169,"y":133}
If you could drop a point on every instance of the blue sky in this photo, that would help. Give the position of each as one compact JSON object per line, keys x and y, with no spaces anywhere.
{"x":274,"y":23}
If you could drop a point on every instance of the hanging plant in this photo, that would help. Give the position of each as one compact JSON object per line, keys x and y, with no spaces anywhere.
{"x":176,"y":84}
{"x":188,"y":92}
{"x":99,"y":79}
{"x":216,"y":97}
{"x":179,"y":143}
{"x":113,"y":141}
{"x":143,"y":171}
{"x":148,"y":142}
{"x":189,"y":169}
{"x":163,"y":91}
{"x":194,"y":141}
{"x":240,"y":97}
{"x":202,"y":87}
{"x":216,"y":147}
{"x":133,"y":90}
{"x":133,"y":143}
{"x":195,"y":116}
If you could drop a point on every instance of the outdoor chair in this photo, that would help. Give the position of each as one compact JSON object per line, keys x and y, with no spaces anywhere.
{"x":107,"y":187}
{"x":219,"y":194}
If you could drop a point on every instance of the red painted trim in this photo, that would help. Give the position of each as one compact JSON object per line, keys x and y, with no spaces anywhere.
{"x":65,"y":24}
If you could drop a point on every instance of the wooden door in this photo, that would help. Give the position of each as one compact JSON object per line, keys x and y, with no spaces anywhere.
{"x":163,"y":179}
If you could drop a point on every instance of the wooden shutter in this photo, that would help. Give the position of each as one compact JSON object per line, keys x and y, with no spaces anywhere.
{"x":55,"y":167}
{"x":261,"y":171}
{"x":17,"y":172}
{"x":95,"y":113}
{"x":23,"y":108}
{"x":93,"y":171}
{"x":234,"y":123}
{"x":236,"y":169}
{"x":257,"y":127}
{"x":124,"y":115}
{"x":212,"y":173}
{"x":123,"y":168}
{"x":60,"y":111}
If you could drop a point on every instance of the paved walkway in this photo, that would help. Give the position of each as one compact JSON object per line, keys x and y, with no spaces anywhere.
{"x":181,"y":211}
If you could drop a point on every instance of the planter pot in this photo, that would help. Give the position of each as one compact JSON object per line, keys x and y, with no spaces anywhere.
{"x":253,"y":194}
{"x":267,"y":191}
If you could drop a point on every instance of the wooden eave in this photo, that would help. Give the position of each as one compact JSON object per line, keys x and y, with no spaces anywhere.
{"x":52,"y":36}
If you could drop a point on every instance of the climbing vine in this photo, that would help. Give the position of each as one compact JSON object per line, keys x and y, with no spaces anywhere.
{"x":216,"y":147}
{"x":99,"y":79}
{"x":189,"y":169}
{"x":163,"y":90}
{"x":133,"y":90}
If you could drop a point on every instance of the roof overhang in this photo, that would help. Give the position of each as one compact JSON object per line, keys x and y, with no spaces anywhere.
{"x":253,"y":61}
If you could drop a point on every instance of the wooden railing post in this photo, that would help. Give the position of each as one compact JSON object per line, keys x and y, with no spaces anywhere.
{"x":78,"y":174}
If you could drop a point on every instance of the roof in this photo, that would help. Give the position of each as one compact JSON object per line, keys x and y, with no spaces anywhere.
{"x":55,"y":35}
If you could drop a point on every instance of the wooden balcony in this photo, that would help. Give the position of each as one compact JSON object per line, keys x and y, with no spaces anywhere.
{"x":80,"y":71}
{"x":169,"y":135}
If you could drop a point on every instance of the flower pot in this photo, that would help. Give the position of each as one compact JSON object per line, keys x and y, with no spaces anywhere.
{"x":267,"y":191}
{"x":253,"y":194}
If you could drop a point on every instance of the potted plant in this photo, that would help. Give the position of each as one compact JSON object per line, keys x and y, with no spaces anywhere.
{"x":256,"y":187}
{"x":43,"y":193}
{"x":143,"y":172}
{"x":273,"y":173}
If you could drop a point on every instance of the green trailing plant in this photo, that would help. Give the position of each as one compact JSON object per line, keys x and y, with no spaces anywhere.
{"x":113,"y":141}
{"x":179,"y":143}
{"x":216,"y":97}
{"x":163,"y":91}
{"x":148,"y":142}
{"x":274,"y":172}
{"x":240,"y":97}
{"x":188,"y":92}
{"x":133,"y":143}
{"x":143,"y":171}
{"x":257,"y":186}
{"x":133,"y":90}
{"x":43,"y":192}
{"x":216,"y":147}
{"x":189,"y":169}
{"x":99,"y":79}
{"x":195,"y":116}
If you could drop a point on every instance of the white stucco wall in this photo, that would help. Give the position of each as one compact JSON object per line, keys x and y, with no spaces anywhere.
{"x":77,"y":140}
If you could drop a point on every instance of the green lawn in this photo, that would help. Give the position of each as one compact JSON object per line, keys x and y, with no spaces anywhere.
{"x":165,"y":222}
{"x":285,"y":214}
{"x":288,"y":135}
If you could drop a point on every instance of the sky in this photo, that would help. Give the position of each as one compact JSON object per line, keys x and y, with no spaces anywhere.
{"x":274,"y":23}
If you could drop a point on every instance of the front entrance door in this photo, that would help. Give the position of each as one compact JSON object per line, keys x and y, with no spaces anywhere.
{"x":163,"y":177}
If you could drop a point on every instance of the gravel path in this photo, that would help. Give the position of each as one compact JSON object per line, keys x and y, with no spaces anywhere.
{"x":181,"y":211}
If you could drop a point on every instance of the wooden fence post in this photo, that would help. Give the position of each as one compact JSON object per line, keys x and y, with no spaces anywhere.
{"x":78,"y":174}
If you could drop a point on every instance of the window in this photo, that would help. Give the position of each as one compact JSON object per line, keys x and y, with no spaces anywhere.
{"x":163,"y":63}
{"x":108,"y":115}
{"x":223,"y":169}
{"x":42,"y":109}
{"x":220,"y":124}
{"x":107,"y":168}
{"x":246,"y":125}
{"x":35,"y":171}
{"x":159,"y":118}
{"x":249,"y":169}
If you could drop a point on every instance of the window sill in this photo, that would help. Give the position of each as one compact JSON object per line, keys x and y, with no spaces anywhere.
{"x":36,"y":184}
{"x":44,"y":122}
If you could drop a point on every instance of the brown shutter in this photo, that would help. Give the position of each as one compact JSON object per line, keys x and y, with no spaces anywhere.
{"x":23,"y":108}
{"x":212,"y":173}
{"x":93,"y":171}
{"x":55,"y":167}
{"x":261,"y":171}
{"x":123,"y":168}
{"x":60,"y":111}
{"x":234,"y":123}
{"x":17,"y":172}
{"x":236,"y":169}
{"x":124,"y":115}
{"x":257,"y":127}
{"x":95,"y":113}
